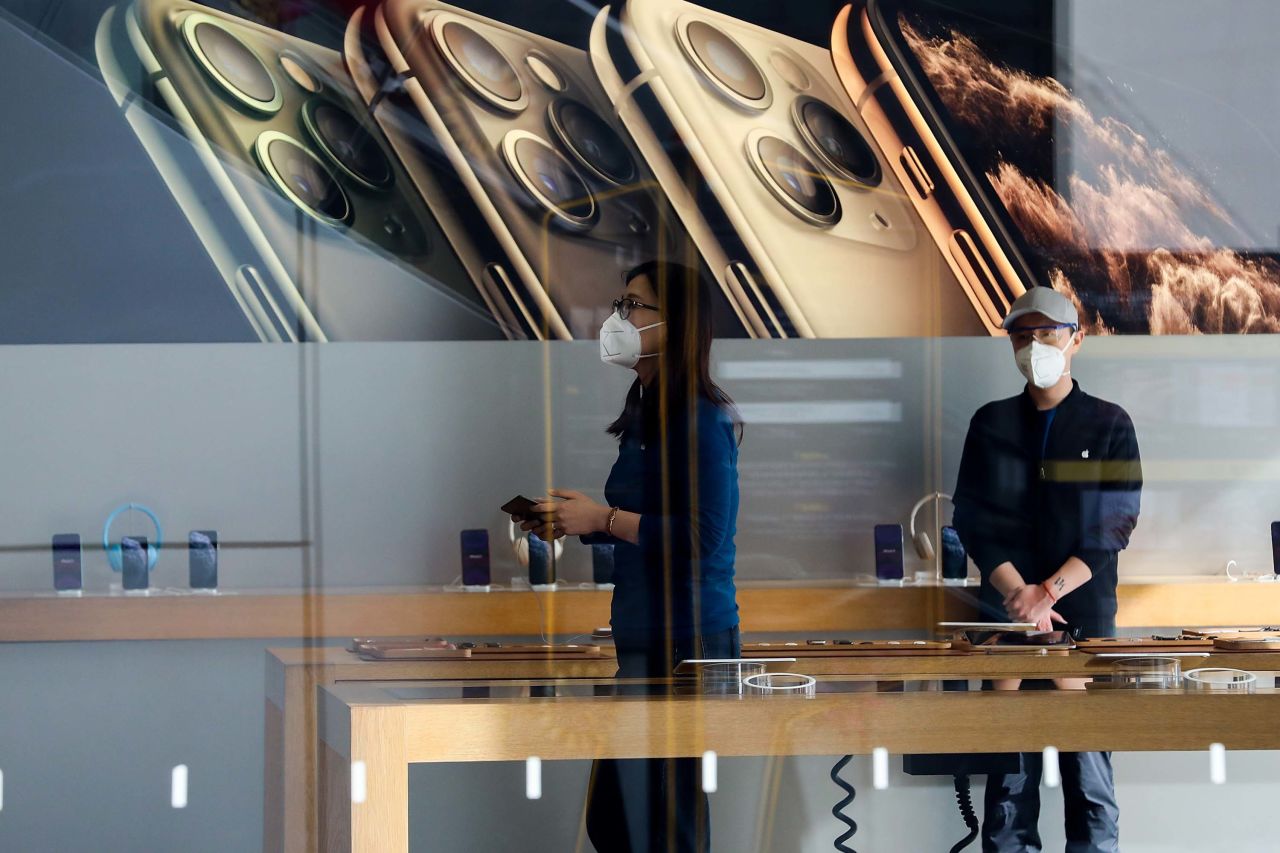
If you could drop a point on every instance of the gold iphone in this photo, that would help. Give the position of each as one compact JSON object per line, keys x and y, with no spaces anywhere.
{"x":313,"y":223}
{"x":523,"y":126}
{"x":775,"y":175}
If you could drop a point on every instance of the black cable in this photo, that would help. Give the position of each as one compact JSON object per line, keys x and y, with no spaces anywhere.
{"x":837,"y":810}
{"x":965,"y":800}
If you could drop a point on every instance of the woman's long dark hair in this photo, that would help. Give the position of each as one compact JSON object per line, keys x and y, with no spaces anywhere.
{"x":684,"y":375}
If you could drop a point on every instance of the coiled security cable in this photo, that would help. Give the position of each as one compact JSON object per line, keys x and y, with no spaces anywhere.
{"x":837,"y":811}
{"x":965,"y":799}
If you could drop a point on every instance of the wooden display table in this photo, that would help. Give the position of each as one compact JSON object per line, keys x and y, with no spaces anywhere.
{"x":293,"y":676}
{"x":289,"y":803}
{"x":387,"y":727}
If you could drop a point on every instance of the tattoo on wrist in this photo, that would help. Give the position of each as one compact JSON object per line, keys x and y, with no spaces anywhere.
{"x":1058,"y":584}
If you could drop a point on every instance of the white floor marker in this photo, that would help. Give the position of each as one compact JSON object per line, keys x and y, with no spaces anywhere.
{"x":1052,"y":773}
{"x":1217,"y":764}
{"x":533,"y":777}
{"x":880,"y":768}
{"x":178,"y":787}
{"x":709,"y":780}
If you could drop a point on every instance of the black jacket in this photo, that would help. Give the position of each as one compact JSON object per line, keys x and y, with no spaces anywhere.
{"x":1080,"y":500}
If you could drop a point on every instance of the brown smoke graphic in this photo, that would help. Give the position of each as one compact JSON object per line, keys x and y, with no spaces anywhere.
{"x":1123,"y":247}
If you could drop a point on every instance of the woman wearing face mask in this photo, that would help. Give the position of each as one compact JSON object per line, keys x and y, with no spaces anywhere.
{"x":671,"y":510}
{"x":1049,"y":490}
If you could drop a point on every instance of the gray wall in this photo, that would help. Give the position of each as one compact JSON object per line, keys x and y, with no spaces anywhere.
{"x":378,"y":454}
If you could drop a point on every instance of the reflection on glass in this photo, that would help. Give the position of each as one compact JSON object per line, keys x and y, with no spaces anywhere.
{"x":313,"y":493}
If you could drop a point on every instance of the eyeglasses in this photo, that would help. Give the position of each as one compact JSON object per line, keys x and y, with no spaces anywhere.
{"x":1044,"y":334}
{"x":626,"y":305}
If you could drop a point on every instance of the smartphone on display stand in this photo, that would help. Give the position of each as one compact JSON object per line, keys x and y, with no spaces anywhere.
{"x":1275,"y":547}
{"x":955,"y":562}
{"x":542,"y":563}
{"x":602,"y":565}
{"x":888,"y":538}
{"x":134,"y":573}
{"x":475,"y":560}
{"x":67,"y":574}
{"x":202,"y":560}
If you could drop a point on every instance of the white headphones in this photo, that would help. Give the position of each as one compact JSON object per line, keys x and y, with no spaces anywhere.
{"x":520,"y":545}
{"x":924,"y":545}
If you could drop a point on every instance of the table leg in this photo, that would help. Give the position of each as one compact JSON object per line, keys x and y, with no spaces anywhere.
{"x":273,"y":793}
{"x":372,"y":817}
{"x":290,"y":814}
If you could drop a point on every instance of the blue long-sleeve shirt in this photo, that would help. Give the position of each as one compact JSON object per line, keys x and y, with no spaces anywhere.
{"x":677,"y":580}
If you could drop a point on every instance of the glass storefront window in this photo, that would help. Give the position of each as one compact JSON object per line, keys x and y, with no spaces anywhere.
{"x":631,"y":419}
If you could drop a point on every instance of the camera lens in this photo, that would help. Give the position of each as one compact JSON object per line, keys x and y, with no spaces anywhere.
{"x":727,"y":64}
{"x":545,"y":72}
{"x":550,"y":179}
{"x":297,"y":71}
{"x":790,"y":70}
{"x":795,"y":180}
{"x":481,"y":64}
{"x":838,"y":141}
{"x":592,"y":140}
{"x":232,"y":64}
{"x":301,"y":176}
{"x":347,"y":143}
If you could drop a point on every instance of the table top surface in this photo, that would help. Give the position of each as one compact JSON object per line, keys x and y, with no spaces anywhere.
{"x":341,"y":664}
{"x":365,"y":693}
{"x":471,"y":720}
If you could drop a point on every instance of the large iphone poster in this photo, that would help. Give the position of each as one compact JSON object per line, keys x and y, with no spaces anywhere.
{"x":414,"y":170}
{"x":1107,"y":144}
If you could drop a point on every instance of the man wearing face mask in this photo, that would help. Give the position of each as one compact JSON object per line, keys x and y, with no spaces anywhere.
{"x":1048,"y":493}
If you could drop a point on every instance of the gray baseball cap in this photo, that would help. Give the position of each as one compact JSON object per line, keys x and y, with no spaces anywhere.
{"x":1046,"y":301}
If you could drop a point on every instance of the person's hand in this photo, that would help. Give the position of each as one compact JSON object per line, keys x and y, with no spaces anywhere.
{"x":1045,"y":623}
{"x":541,"y":524}
{"x":574,"y":514}
{"x":1031,"y":603}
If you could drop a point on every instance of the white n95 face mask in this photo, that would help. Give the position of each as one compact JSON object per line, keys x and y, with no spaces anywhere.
{"x":1042,"y":364}
{"x":620,"y":341}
